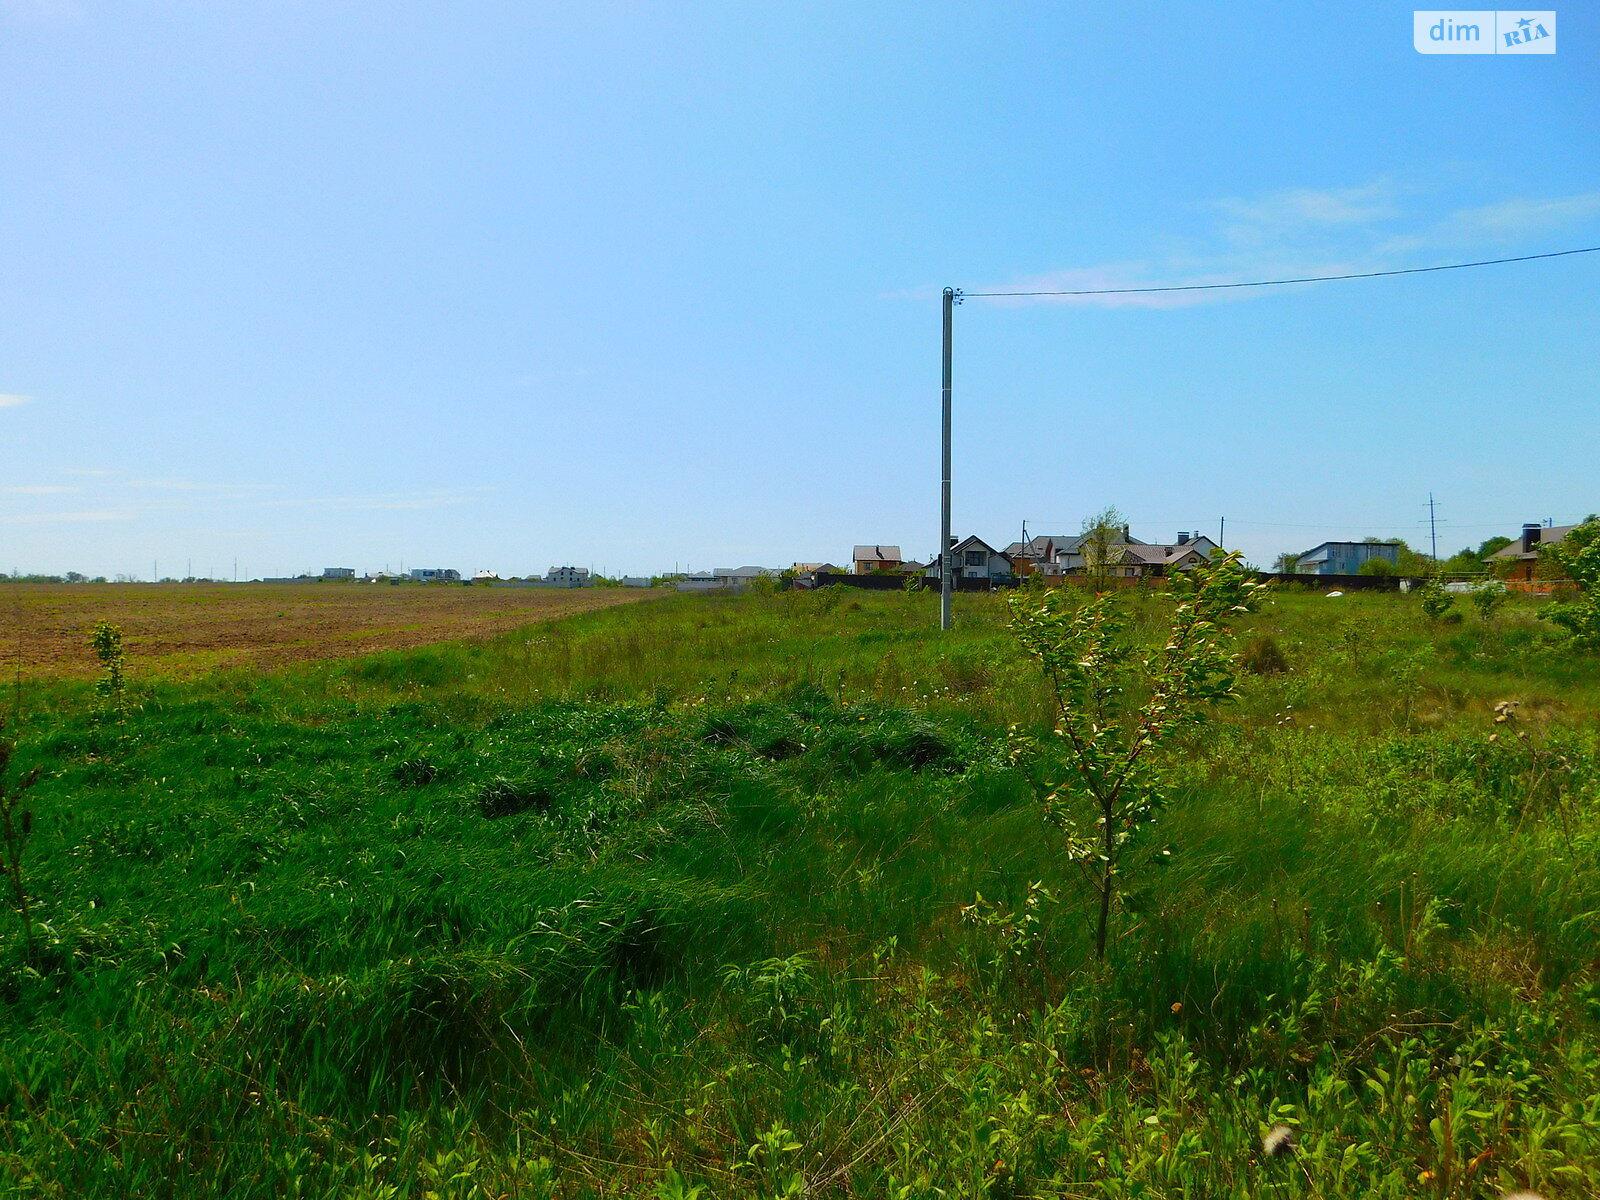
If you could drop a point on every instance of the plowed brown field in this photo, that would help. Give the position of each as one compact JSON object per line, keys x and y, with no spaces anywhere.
{"x":186,"y":629}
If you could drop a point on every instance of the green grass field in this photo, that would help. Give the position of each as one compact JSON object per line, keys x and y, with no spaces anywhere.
{"x":667,"y":900}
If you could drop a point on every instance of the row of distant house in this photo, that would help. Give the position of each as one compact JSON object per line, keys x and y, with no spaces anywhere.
{"x":1055,"y":557}
{"x":1113,"y":554}
{"x":556,"y":577}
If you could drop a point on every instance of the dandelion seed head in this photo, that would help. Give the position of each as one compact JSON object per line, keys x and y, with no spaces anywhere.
{"x":1278,"y":1141}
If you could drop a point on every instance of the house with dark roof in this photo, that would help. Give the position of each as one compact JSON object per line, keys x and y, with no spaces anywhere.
{"x":974,"y":558}
{"x":1047,"y":555}
{"x":1517,"y":561}
{"x":1146,"y":560}
{"x":1059,"y":556}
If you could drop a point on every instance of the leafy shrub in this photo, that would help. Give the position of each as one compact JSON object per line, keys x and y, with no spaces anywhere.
{"x":105,"y":639}
{"x":1437,"y":602}
{"x":1487,"y":598}
{"x":1113,"y":739}
{"x":1578,"y":555}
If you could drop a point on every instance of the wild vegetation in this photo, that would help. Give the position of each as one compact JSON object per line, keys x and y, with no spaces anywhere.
{"x":756,"y":897}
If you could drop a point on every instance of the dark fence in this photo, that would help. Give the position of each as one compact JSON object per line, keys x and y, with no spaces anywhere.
{"x":895,"y":583}
{"x":872,"y":583}
{"x":1319,"y":583}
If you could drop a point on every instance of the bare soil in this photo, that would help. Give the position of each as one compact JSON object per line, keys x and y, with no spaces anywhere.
{"x":187,"y":629}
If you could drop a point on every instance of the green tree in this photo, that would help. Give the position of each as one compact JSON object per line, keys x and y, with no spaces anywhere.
{"x":1488,"y":596}
{"x":1104,"y":535}
{"x":1436,"y":602}
{"x":1378,"y":566}
{"x":1286,"y":563}
{"x":1412,"y":562}
{"x":1117,"y":711}
{"x":1492,"y":546}
{"x":1464,"y":561}
{"x":105,"y":639}
{"x":1577,"y":558}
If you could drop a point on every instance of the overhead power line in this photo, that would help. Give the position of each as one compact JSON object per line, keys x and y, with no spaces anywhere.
{"x":1208,"y":287}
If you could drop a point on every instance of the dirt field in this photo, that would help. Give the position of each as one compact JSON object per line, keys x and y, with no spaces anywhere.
{"x":186,"y":629}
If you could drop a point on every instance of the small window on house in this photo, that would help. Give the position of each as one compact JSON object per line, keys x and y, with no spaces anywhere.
{"x":974,"y":558}
{"x":1130,"y":571}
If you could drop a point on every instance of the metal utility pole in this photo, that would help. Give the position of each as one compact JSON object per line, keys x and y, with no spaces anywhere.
{"x":1433,"y":531}
{"x":1222,"y":534}
{"x":946,"y":581}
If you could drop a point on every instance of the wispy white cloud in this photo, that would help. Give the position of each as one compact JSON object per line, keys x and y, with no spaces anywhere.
{"x":11,"y":399}
{"x":40,"y":489}
{"x":86,"y":471}
{"x":193,"y":485}
{"x":37,"y":518}
{"x":1294,"y":213}
{"x":384,"y":500}
{"x":1306,"y":232}
{"x":1520,"y":217}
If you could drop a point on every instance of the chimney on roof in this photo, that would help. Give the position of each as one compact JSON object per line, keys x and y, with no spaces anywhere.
{"x":1530,"y":537}
{"x":1183,"y":538}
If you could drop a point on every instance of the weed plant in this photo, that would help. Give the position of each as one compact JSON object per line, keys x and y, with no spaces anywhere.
{"x":668,"y":901}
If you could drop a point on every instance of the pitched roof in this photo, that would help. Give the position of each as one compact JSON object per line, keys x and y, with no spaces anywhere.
{"x":1141,"y":553}
{"x":876,"y":553}
{"x":1046,"y":543}
{"x":1548,"y":535}
{"x":971,"y":543}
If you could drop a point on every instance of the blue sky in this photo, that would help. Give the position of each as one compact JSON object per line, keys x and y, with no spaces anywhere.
{"x":507,"y":285}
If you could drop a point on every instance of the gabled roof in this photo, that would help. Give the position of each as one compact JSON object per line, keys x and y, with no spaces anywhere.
{"x":876,"y":554}
{"x":973,"y":543}
{"x":1044,"y":545}
{"x":1140,"y":553}
{"x":1548,"y":535}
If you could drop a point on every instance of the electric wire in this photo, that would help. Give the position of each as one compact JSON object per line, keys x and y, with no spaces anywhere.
{"x":1206,"y":287}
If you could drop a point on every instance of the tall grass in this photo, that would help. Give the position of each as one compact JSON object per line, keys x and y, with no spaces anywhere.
{"x":670,"y":897}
